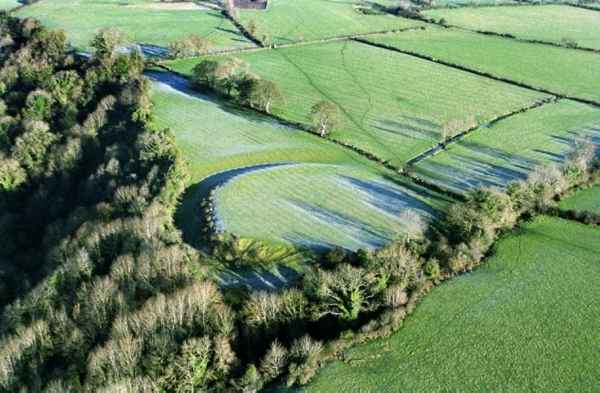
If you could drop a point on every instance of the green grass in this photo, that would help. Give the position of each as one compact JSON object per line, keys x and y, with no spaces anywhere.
{"x":524,"y":322}
{"x":461,"y":3}
{"x":143,"y":21}
{"x":320,"y":206}
{"x":547,"y":23}
{"x":563,"y":71}
{"x":215,"y":138}
{"x":392,"y":105}
{"x":511,"y":148}
{"x":8,"y":4}
{"x":288,"y":21}
{"x":584,"y":200}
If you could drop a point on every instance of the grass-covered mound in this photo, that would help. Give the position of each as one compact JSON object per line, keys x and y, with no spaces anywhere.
{"x":286,"y":21}
{"x":510,"y":149}
{"x":523,"y":322}
{"x":553,"y":23}
{"x":321,"y":206}
{"x":559,"y":70}
{"x":391,"y":105}
{"x":272,"y":189}
{"x":143,"y":21}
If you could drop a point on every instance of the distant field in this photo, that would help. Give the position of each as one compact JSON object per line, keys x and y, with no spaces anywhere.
{"x":144,"y":21}
{"x":323,"y":205}
{"x":276,"y":206}
{"x":547,"y":23}
{"x":460,"y":3}
{"x":288,"y":21}
{"x":511,"y":148}
{"x":585,"y":200}
{"x":524,"y":322}
{"x":559,"y":70}
{"x":8,"y":4}
{"x":392,"y":105}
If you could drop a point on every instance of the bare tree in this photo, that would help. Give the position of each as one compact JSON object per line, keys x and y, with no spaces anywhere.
{"x":324,"y":117}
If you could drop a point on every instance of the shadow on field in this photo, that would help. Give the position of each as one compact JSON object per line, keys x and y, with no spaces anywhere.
{"x":259,"y":278}
{"x":473,"y":164}
{"x":190,"y":217}
{"x":179,"y":85}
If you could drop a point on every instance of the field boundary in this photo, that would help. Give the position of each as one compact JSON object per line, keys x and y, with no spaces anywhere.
{"x":480,"y":73}
{"x":509,"y":36}
{"x":242,"y":29}
{"x":458,"y":137}
{"x":340,"y":38}
{"x":402,"y":171}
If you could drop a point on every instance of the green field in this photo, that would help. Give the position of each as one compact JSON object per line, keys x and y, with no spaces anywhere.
{"x":288,"y":21}
{"x":392,"y":105}
{"x":540,"y":66}
{"x":143,"y":21}
{"x":510,"y":149}
{"x":524,"y":322}
{"x":8,"y":4}
{"x":551,"y":23}
{"x":584,"y":200}
{"x":363,"y":203}
{"x":320,"y":206}
{"x":461,"y":3}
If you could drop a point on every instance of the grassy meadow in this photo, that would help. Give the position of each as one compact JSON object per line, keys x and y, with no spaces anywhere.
{"x":320,"y":206}
{"x":287,"y":21}
{"x":559,"y":70}
{"x":8,"y":4}
{"x":391,"y":105}
{"x":584,"y":200}
{"x":510,"y":149}
{"x":143,"y":21}
{"x":553,"y":23}
{"x":523,"y":322}
{"x":316,"y":175}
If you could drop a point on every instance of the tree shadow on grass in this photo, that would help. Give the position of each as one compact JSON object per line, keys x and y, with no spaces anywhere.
{"x":189,"y":216}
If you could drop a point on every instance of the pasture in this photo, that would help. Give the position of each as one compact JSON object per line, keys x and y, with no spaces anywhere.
{"x":392,"y":105}
{"x":523,"y":322}
{"x":143,"y":21}
{"x":563,"y":71}
{"x":281,"y":204}
{"x":8,"y":4}
{"x":510,"y":149}
{"x":552,"y":23}
{"x":584,"y":200}
{"x":287,"y":21}
{"x":320,"y":206}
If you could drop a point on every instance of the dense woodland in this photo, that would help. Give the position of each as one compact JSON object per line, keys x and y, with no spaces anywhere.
{"x":99,"y":294}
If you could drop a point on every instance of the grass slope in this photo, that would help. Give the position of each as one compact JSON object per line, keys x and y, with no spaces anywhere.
{"x":524,"y":322}
{"x":291,"y":21}
{"x":320,"y":206}
{"x":563,"y":71}
{"x":215,"y":138}
{"x":392,"y":105}
{"x":547,"y":23}
{"x":511,"y":148}
{"x":144,"y":21}
{"x":584,"y":200}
